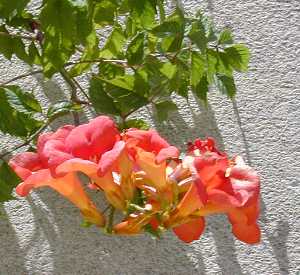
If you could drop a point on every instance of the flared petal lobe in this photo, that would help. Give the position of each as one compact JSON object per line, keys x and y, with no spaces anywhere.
{"x":69,"y":186}
{"x":190,"y":231}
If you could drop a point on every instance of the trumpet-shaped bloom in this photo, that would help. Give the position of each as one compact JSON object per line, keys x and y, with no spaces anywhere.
{"x":224,"y":186}
{"x":69,"y":186}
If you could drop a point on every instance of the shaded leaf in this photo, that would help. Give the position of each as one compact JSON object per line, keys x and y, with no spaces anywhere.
{"x":226,"y":85}
{"x":238,"y":56}
{"x":8,"y":181}
{"x":9,"y":8}
{"x":163,"y":109}
{"x":102,"y":102}
{"x":225,"y":37}
{"x":104,"y":12}
{"x":62,"y":108}
{"x":135,"y":50}
{"x":114,"y":44}
{"x":16,"y":112}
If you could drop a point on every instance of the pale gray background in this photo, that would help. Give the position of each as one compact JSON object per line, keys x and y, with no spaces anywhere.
{"x":41,"y":234}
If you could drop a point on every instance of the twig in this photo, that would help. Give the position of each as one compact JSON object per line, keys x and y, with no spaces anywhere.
{"x":20,"y":76}
{"x":80,"y":88}
{"x":74,"y":97}
{"x":27,"y":142}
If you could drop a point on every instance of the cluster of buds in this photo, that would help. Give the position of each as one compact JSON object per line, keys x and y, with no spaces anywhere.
{"x":144,"y":179}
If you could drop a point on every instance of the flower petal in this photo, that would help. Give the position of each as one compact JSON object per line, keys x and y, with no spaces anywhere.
{"x":25,"y":163}
{"x":69,"y":186}
{"x":190,"y":231}
{"x":92,"y":139}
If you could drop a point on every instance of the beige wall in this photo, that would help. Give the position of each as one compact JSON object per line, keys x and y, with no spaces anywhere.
{"x":41,"y":234}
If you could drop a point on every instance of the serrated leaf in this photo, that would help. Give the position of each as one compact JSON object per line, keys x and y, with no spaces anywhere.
{"x":172,"y":25}
{"x":62,"y":108}
{"x":102,"y":102}
{"x":163,"y":109}
{"x":135,"y":50}
{"x":126,"y":100}
{"x":143,"y":13}
{"x":16,"y":112}
{"x":114,"y":44}
{"x":238,"y":56}
{"x":198,"y":68}
{"x":168,"y":69}
{"x":171,"y":31}
{"x":8,"y":181}
{"x":110,"y":70}
{"x":225,"y":37}
{"x":22,"y":101}
{"x":226,"y":85}
{"x":124,"y":82}
{"x":10,"y":45}
{"x":201,"y":89}
{"x":197,"y":35}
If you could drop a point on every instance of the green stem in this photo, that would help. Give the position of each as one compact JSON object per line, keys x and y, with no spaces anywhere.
{"x":109,"y":227}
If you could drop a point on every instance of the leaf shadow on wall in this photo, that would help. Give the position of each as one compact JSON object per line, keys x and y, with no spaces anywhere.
{"x":277,"y":239}
{"x":11,"y":257}
{"x":203,"y":124}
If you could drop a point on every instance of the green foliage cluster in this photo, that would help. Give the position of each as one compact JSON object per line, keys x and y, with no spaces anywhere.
{"x":146,"y":57}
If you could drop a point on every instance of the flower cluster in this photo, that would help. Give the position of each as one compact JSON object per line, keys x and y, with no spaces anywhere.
{"x":143,"y":177}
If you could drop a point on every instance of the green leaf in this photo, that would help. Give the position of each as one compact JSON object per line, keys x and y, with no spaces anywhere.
{"x":104,"y":12}
{"x":126,"y":100}
{"x":168,"y":69}
{"x":163,"y":109}
{"x":22,"y":101}
{"x":110,"y":70}
{"x":8,"y":181}
{"x":58,"y":21}
{"x":217,"y":62}
{"x":102,"y":102}
{"x":201,"y":89}
{"x":172,"y":25}
{"x":198,"y":36}
{"x":171,"y":31}
{"x":33,"y":54}
{"x":143,"y":13}
{"x":135,"y":50}
{"x":16,"y":112}
{"x":198,"y":68}
{"x":208,"y":26}
{"x":226,"y":85}
{"x":62,"y":108}
{"x":114,"y":44}
{"x":124,"y":82}
{"x":10,"y":45}
{"x":225,"y":37}
{"x":9,"y":8}
{"x":238,"y":56}
{"x":90,"y":52}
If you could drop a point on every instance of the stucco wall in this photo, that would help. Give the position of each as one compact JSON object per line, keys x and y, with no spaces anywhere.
{"x":41,"y":234}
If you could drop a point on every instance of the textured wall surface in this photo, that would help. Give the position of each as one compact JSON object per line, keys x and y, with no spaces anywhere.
{"x":41,"y":234}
